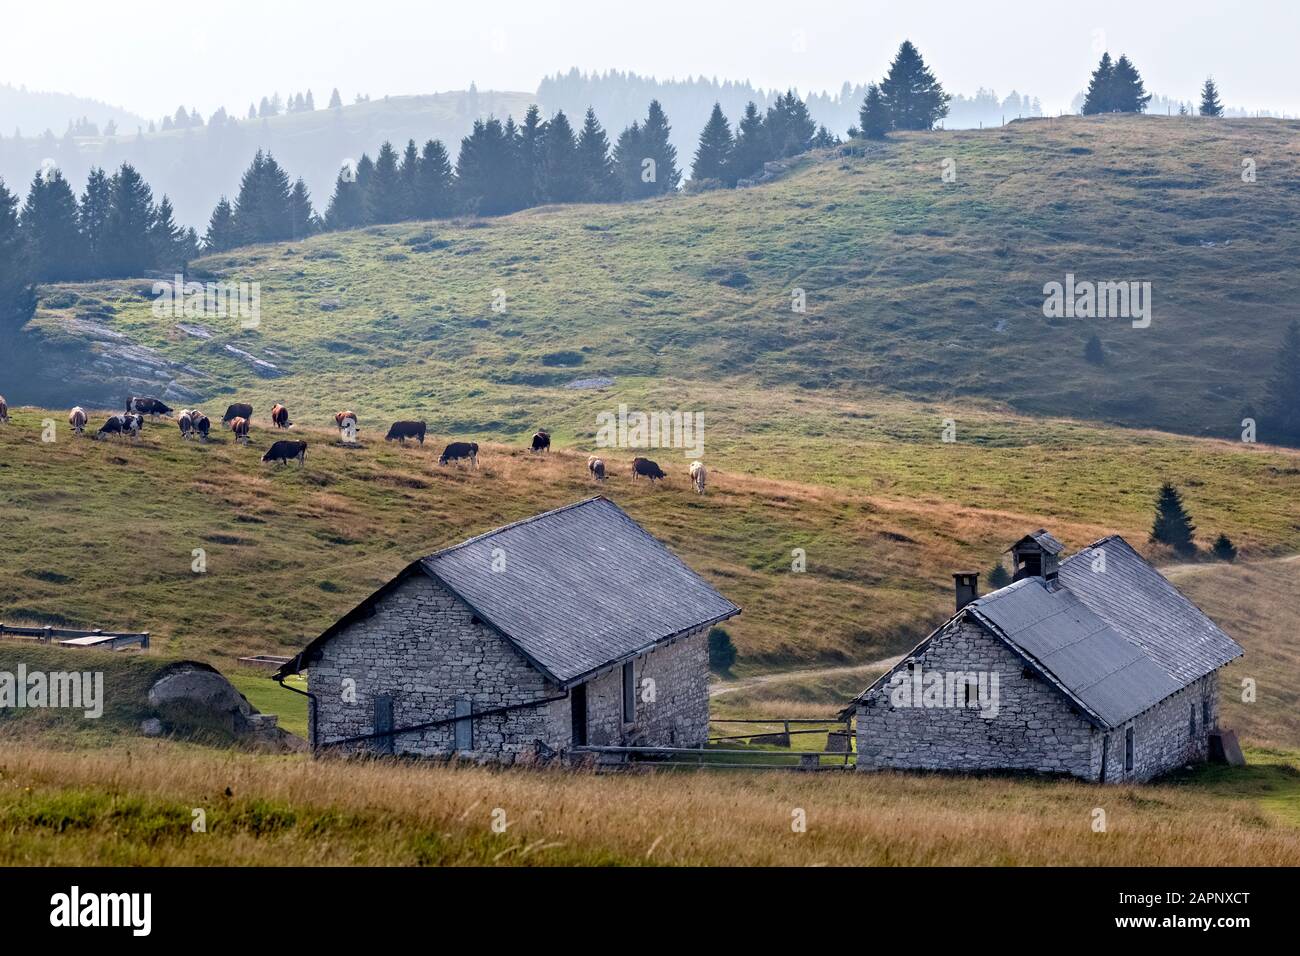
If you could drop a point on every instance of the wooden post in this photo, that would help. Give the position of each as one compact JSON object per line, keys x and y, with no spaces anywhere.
{"x":48,"y":636}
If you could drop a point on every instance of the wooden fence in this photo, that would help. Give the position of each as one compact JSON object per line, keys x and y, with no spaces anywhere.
{"x":71,"y":637}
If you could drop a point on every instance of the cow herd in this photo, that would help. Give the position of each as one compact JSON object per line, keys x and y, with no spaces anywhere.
{"x":194,"y":425}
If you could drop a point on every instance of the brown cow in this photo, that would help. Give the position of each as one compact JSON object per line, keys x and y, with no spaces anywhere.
{"x":347,"y":423}
{"x":280,"y":417}
{"x":240,"y":427}
{"x":77,"y":419}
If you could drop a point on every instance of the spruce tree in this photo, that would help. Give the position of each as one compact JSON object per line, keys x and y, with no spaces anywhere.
{"x":302,"y":218}
{"x":914,"y":98}
{"x":999,"y":576}
{"x":1130,"y":95}
{"x":128,"y":240}
{"x":1210,"y":104}
{"x":594,"y":162}
{"x":751,"y":145}
{"x":1173,"y":525}
{"x":221,"y":234}
{"x":409,"y":174}
{"x":347,"y":206}
{"x":168,"y":239}
{"x":561,"y":176}
{"x":656,"y":145}
{"x":433,"y":188}
{"x":1100,"y":97}
{"x":790,"y":129}
{"x":50,"y":228}
{"x":532,"y":143}
{"x":336,"y":101}
{"x":262,"y":207}
{"x":93,"y":216}
{"x":627,"y":162}
{"x":17,"y":281}
{"x":713,"y":155}
{"x":1282,"y":403}
{"x":483,"y":169}
{"x":1223,"y":548}
{"x":874,"y":115}
{"x":384,"y":195}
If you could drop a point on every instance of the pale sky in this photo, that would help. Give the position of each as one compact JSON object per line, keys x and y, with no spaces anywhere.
{"x":149,"y":56}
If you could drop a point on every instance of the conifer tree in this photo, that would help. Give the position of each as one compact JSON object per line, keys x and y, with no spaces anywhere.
{"x":915,"y":99}
{"x":336,"y":101}
{"x":1223,"y":548}
{"x":1210,"y":104}
{"x":532,"y":145}
{"x":561,"y":175}
{"x":483,"y":167}
{"x":661,"y":175}
{"x":128,"y":241}
{"x":384,"y":194}
{"x":167,"y":238}
{"x":434,"y":197}
{"x":1100,"y":97}
{"x":347,"y":206}
{"x":790,"y":129}
{"x":302,"y":218}
{"x":714,"y":153}
{"x":17,"y":282}
{"x":262,"y":207}
{"x":750,"y":152}
{"x":1282,"y":406}
{"x":93,"y":216}
{"x":999,"y":576}
{"x":627,"y":161}
{"x":874,"y":116}
{"x":1130,"y":95}
{"x":409,"y":174}
{"x":50,"y":228}
{"x":595,"y":165}
{"x":221,"y":234}
{"x":1173,"y":525}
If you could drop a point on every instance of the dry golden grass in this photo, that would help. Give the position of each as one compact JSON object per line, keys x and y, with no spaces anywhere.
{"x":135,"y":807}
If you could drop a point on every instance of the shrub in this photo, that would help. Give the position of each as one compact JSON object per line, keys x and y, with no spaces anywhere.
{"x":722,"y":652}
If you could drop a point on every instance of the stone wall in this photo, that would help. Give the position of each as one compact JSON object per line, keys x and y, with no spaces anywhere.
{"x":1034,"y":728}
{"x":422,"y":647}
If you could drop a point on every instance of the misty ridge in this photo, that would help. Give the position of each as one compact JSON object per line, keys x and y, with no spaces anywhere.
{"x":194,"y":160}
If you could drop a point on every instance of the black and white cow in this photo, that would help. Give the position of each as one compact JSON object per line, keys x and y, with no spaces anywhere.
{"x":147,"y":406}
{"x":121,"y":425}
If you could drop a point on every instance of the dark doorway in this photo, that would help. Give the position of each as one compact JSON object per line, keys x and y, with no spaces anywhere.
{"x":384,"y":724}
{"x":578,"y":700}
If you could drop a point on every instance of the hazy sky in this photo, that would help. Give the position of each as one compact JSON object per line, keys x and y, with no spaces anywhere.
{"x":149,"y":56}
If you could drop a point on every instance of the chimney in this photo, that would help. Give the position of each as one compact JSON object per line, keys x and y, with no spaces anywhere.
{"x":968,"y":588}
{"x":1037,"y":555}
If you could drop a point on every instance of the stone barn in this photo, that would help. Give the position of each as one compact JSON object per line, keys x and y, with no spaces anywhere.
{"x":575,"y":627}
{"x":1094,"y":666}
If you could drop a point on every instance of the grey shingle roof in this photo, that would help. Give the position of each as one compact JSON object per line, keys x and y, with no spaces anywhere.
{"x":579,"y":589}
{"x":1115,"y":641}
{"x":1044,"y":539}
{"x":583,"y":587}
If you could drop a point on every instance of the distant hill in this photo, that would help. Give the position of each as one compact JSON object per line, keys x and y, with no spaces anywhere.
{"x":34,"y":111}
{"x":196,"y":166}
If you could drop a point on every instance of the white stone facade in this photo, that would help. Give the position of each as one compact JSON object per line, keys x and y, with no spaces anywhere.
{"x":1035,"y":728}
{"x":424,"y":649}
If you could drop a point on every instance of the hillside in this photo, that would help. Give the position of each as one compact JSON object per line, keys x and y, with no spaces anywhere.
{"x":914,"y":287}
{"x":102,"y":534}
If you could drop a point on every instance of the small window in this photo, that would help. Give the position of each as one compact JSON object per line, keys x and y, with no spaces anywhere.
{"x":1128,"y":750}
{"x":464,"y":728}
{"x":629,"y":692}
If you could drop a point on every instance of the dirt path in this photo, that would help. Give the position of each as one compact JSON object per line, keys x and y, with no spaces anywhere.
{"x":720,"y":688}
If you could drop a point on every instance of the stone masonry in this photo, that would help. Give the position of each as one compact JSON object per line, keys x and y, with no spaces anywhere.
{"x":423,"y":648}
{"x":1035,"y":728}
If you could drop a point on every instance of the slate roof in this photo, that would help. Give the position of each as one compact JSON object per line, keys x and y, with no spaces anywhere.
{"x":1044,"y":539}
{"x":1115,"y":642}
{"x":582,"y":588}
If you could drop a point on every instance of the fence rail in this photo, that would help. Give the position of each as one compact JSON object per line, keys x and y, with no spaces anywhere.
{"x":73,"y":637}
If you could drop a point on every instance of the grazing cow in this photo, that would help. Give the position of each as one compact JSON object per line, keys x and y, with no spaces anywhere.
{"x":280,"y":417}
{"x":542,"y":441}
{"x":77,"y":419}
{"x":645,"y":468}
{"x":699,"y":475}
{"x":597,"y":468}
{"x":458,"y":451}
{"x":238,"y":410}
{"x":286,"y":451}
{"x":4,"y":411}
{"x":404,"y":430}
{"x":240,"y":427}
{"x":121,"y":425}
{"x":147,"y":406}
{"x":185,"y":422}
{"x":347,"y":422}
{"x":201,"y":424}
